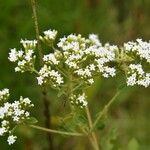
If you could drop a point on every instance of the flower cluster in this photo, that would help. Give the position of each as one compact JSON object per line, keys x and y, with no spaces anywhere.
{"x":87,"y":57}
{"x":4,"y":95}
{"x":24,"y":59}
{"x":29,"y":44}
{"x":48,"y":75}
{"x":136,"y":75}
{"x":12,"y":114}
{"x":139,"y":48}
{"x":51,"y":59}
{"x":82,"y":58}
{"x":139,"y":51}
{"x":49,"y":36}
{"x":79,"y":60}
{"x":79,"y":100}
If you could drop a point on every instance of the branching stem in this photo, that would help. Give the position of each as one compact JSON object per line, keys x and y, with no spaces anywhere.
{"x":57,"y":131}
{"x":104,"y":111}
{"x":92,"y":135}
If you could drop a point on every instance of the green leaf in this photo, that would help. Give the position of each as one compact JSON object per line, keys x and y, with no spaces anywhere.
{"x":133,"y":144}
{"x":31,"y":120}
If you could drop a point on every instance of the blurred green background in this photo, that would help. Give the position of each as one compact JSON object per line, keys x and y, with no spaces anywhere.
{"x":116,"y":21}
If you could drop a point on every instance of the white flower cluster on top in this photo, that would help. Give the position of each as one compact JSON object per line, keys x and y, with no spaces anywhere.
{"x":29,"y":44}
{"x":87,"y":57}
{"x":140,"y":53}
{"x":83,"y":59}
{"x":24,"y":59}
{"x":12,"y":114}
{"x":140,"y":48}
{"x":49,"y":36}
{"x":136,"y":75}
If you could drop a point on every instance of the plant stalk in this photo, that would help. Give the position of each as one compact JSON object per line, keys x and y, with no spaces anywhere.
{"x":57,"y":131}
{"x":105,"y":109}
{"x":44,"y":89}
{"x":92,"y":135}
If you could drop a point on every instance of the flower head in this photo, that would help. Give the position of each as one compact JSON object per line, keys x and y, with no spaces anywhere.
{"x":12,"y":114}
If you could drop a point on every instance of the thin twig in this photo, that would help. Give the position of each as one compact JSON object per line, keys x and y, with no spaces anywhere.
{"x":105,"y":109}
{"x":57,"y":131}
{"x":34,"y":11}
{"x":92,"y":137}
{"x":44,"y":89}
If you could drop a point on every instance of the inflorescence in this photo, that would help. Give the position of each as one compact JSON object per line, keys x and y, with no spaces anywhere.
{"x":12,"y":114}
{"x":79,"y":60}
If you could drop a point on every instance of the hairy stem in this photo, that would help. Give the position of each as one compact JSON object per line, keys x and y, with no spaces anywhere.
{"x":36,"y":26}
{"x":57,"y":131}
{"x":92,"y":135}
{"x":105,"y":109}
{"x":44,"y":89}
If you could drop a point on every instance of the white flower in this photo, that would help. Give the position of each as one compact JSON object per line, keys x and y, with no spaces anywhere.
{"x":11,"y":114}
{"x":11,"y":139}
{"x":4,"y":94}
{"x":137,"y":67}
{"x":94,"y":38}
{"x":27,"y":101}
{"x":27,"y":114}
{"x":92,"y":67}
{"x":59,"y":80}
{"x":5,"y":123}
{"x":15,"y":119}
{"x":131,"y":80}
{"x":50,"y":34}
{"x":136,"y":75}
{"x":46,"y":74}
{"x":29,"y":44}
{"x":13,"y":55}
{"x":40,"y":80}
{"x":82,"y":100}
{"x":17,"y":69}
{"x":2,"y":131}
{"x":145,"y":81}
{"x":50,"y":58}
{"x":110,"y":71}
{"x":24,"y":59}
{"x":141,"y":48}
{"x":28,"y":55}
{"x":91,"y":81}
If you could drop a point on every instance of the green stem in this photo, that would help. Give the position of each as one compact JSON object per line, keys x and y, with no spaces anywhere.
{"x":92,"y":135}
{"x":44,"y":89}
{"x":57,"y":131}
{"x":105,"y":109}
{"x":61,"y":71}
{"x":76,"y":87}
{"x":34,"y":11}
{"x":35,"y":71}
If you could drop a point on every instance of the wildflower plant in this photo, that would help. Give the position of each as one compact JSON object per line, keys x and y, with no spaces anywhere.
{"x":78,"y":60}
{"x":75,"y":61}
{"x":70,"y":67}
